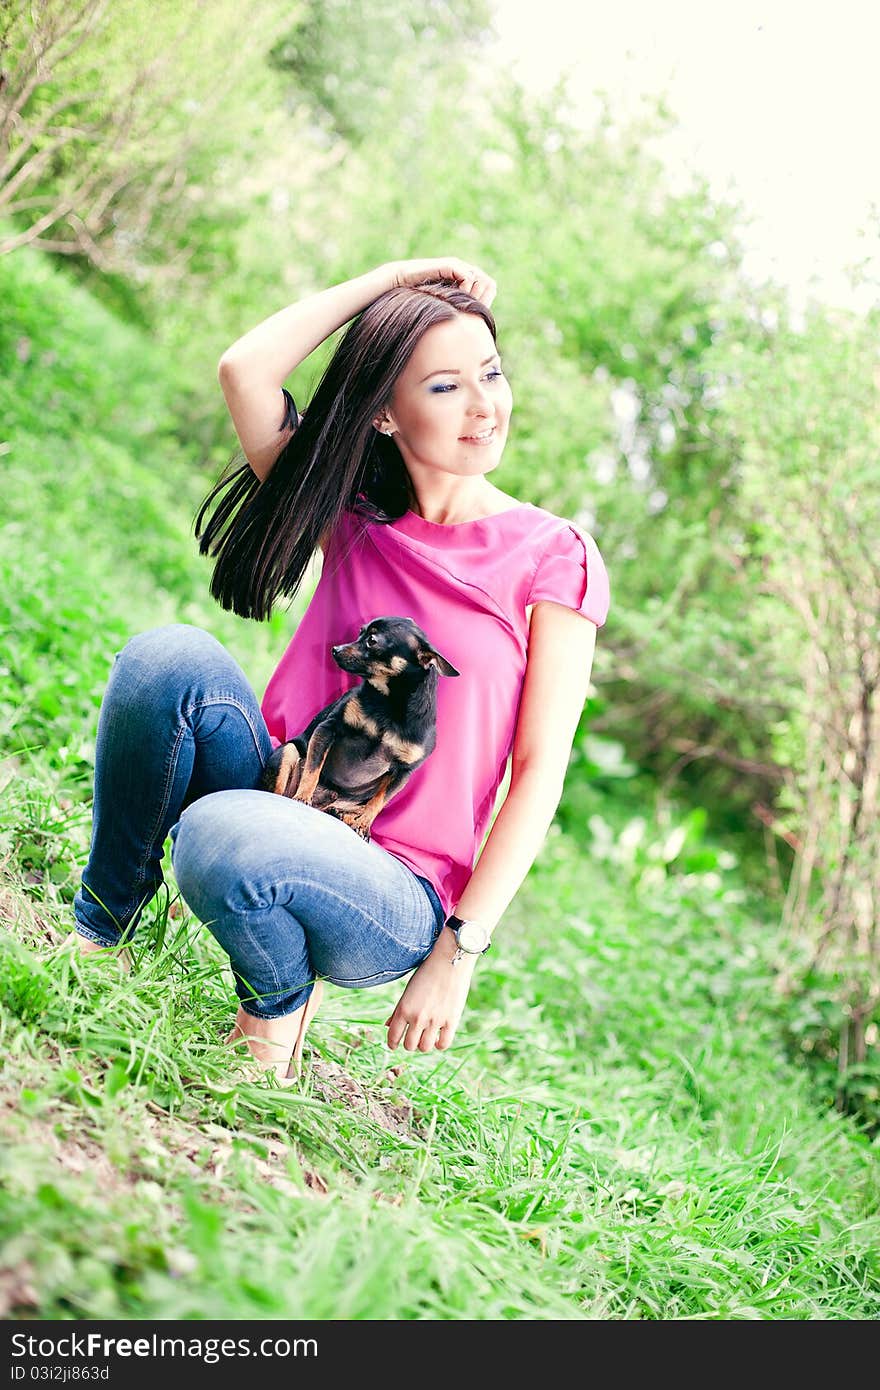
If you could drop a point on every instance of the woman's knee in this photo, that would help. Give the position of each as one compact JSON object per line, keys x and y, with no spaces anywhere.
{"x":171,"y":665}
{"x":219,"y":853}
{"x":242,"y":850}
{"x":168,"y":646}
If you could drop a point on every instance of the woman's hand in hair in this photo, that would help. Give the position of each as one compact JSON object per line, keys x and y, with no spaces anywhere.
{"x":467,"y":276}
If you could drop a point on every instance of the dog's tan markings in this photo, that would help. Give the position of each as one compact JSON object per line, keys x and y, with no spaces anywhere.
{"x":402,"y":748}
{"x":355,"y":715}
{"x":398,"y":664}
{"x":309,"y":782}
{"x":379,"y":682}
{"x":363,"y":818}
{"x":312,"y":768}
{"x":288,"y":771}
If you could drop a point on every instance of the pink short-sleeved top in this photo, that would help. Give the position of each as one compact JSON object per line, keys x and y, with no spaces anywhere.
{"x":468,"y":587}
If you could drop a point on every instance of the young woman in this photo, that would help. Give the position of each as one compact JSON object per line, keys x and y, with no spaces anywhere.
{"x":388,"y":472}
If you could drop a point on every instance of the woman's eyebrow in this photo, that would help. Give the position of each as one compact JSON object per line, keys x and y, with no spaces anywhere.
{"x":454,"y":371}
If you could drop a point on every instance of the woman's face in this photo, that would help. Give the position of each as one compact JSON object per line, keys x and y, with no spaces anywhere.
{"x":451,"y":391}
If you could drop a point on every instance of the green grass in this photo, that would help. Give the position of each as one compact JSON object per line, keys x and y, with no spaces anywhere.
{"x":620,"y":1131}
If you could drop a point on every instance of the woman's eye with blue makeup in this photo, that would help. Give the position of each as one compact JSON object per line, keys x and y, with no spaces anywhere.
{"x":451,"y":386}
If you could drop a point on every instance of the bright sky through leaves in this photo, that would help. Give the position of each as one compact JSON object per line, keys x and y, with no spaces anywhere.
{"x":779,"y":100}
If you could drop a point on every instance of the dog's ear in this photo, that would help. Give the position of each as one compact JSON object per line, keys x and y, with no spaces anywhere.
{"x":428,"y":657}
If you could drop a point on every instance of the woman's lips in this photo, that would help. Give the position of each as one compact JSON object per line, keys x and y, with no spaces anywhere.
{"x":472,"y":439}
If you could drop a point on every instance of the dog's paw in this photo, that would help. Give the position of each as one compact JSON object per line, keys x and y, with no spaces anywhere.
{"x":281,"y":772}
{"x":359,"y":829}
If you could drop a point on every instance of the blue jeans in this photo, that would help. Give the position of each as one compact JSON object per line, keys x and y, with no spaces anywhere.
{"x":289,"y":891}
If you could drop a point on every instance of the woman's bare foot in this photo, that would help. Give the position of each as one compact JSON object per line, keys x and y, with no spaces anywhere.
{"x":276,"y":1044}
{"x":88,"y":948}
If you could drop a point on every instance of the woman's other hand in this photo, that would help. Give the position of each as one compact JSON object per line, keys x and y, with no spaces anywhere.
{"x":467,"y":276}
{"x":432,"y":1004}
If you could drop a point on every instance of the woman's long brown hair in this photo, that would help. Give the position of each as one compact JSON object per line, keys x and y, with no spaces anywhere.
{"x":263,"y":535}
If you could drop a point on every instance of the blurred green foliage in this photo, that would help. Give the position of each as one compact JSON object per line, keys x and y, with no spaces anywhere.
{"x":357,"y":64}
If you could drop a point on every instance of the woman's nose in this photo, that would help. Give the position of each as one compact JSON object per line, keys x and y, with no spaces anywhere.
{"x":480,"y":404}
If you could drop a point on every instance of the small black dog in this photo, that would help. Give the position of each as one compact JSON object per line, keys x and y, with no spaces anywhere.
{"x":361,"y":749}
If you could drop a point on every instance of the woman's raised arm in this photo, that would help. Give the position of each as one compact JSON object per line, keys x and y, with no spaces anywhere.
{"x":253,"y":370}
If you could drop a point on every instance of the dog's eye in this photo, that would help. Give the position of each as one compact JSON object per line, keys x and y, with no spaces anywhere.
{"x":370,"y":639}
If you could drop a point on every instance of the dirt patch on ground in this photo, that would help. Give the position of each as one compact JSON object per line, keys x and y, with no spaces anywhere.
{"x":333,"y":1084}
{"x":74,"y":1152}
{"x":20,"y":917}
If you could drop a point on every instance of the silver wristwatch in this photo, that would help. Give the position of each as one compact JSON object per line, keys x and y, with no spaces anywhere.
{"x":472,"y":938}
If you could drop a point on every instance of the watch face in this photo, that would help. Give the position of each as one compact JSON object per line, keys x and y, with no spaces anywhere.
{"x":472,"y":937}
